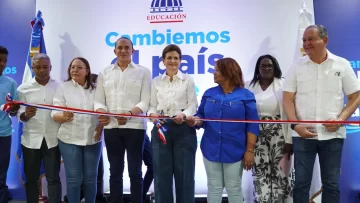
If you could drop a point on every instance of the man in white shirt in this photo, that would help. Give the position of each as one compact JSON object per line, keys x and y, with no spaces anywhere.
{"x":39,"y":139}
{"x":314,"y":90}
{"x":124,"y":88}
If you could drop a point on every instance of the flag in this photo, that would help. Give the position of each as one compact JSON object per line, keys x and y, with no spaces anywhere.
{"x":306,"y":19}
{"x":37,"y":45}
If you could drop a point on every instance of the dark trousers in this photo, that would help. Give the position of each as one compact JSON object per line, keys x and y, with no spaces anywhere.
{"x":147,"y":158}
{"x":117,"y":141}
{"x":32,"y":164}
{"x":175,"y":158}
{"x":329,"y":152}
{"x":5,"y":146}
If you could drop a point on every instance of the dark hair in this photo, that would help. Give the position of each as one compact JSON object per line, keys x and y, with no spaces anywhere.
{"x":170,"y":48}
{"x":277,"y":70}
{"x":231,"y":70}
{"x":94,"y":77}
{"x":132,"y":45}
{"x":3,"y":50}
{"x":322,"y":30}
{"x":88,"y":81}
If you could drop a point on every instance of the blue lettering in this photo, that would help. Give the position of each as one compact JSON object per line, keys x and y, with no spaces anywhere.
{"x":108,"y":37}
{"x":142,"y":38}
{"x":135,"y":57}
{"x":212,"y":37}
{"x":355,"y":64}
{"x":201,"y":61}
{"x":189,"y":64}
{"x":156,"y":70}
{"x":197,"y":91}
{"x":9,"y":70}
{"x":178,"y":38}
{"x":168,"y":36}
{"x":225,"y":38}
{"x":155,"y":36}
{"x":195,"y":36}
{"x":212,"y":60}
{"x":158,"y":38}
{"x":126,"y":36}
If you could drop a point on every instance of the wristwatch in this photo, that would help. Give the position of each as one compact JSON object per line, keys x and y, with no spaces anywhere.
{"x":292,"y":126}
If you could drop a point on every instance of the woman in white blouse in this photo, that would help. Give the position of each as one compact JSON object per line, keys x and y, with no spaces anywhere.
{"x":173,"y":95}
{"x":273,"y":147}
{"x":79,"y":137}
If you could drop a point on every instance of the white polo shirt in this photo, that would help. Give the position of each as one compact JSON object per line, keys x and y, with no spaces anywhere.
{"x":320,"y":91}
{"x":119,"y":91}
{"x":41,"y":125}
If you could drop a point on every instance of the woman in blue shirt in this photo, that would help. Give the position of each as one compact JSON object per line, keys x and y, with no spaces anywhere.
{"x":227,"y":147}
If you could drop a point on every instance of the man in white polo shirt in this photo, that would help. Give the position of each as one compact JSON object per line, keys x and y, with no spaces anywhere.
{"x":124,"y":88}
{"x":314,"y":90}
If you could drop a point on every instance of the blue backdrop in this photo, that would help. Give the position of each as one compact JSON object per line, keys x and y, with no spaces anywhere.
{"x":15,"y":31}
{"x":341,"y":18}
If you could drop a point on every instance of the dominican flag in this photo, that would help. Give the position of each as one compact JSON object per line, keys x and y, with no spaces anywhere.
{"x":37,"y":45}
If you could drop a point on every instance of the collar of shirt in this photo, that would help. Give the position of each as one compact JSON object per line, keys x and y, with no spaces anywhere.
{"x":130,"y":65}
{"x":330,"y":56}
{"x":222,"y":92}
{"x":178,"y":75}
{"x":77,"y":84}
{"x":33,"y":81}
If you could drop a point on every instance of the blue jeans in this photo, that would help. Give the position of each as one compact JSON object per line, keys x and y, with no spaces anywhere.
{"x":329,"y":152}
{"x":81,"y":167}
{"x":175,"y":159}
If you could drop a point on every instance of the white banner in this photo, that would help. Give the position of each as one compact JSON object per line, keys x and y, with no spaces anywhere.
{"x":205,"y":30}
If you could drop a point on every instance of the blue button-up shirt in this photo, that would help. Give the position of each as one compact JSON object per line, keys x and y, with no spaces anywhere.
{"x":225,"y":142}
{"x":7,"y":85}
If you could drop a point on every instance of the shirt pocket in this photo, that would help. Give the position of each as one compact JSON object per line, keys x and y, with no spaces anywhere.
{"x":304,"y":84}
{"x":212,"y":108}
{"x":333,"y":83}
{"x":109,"y":89}
{"x":233,"y":110}
{"x":133,"y":87}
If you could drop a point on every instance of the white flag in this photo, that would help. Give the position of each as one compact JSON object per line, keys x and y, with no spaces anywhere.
{"x":306,"y":19}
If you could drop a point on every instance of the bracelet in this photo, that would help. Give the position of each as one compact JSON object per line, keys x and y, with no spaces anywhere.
{"x":250,"y":151}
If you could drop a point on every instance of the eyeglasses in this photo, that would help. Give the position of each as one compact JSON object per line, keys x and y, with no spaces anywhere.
{"x":267,"y":66}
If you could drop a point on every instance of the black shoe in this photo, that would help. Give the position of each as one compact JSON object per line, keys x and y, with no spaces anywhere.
{"x":65,"y":198}
{"x":101,"y":199}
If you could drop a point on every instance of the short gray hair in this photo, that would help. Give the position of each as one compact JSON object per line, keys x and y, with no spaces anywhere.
{"x":40,"y":56}
{"x":322,"y":30}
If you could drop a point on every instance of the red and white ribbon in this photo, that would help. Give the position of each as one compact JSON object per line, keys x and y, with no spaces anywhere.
{"x":89,"y":112}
